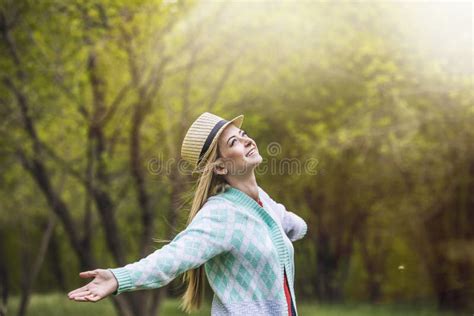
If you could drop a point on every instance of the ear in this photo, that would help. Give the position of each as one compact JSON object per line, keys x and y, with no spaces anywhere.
{"x":220,"y":168}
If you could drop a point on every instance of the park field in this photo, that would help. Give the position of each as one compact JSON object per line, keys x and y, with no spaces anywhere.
{"x":60,"y":305}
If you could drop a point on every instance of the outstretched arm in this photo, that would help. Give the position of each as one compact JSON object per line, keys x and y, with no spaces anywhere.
{"x":293,"y":225}
{"x":205,"y":237}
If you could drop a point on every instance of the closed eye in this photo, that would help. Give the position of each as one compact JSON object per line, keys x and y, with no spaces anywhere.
{"x":234,"y":140}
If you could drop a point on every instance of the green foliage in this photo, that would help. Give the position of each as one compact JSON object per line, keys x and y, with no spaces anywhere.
{"x":386,"y":123}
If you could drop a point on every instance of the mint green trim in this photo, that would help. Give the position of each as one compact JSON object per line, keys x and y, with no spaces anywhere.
{"x":123,"y":278}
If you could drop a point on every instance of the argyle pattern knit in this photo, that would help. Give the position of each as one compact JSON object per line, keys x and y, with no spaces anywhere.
{"x":244,"y":248}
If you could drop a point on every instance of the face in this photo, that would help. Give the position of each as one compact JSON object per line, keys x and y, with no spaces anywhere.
{"x":238,"y":152}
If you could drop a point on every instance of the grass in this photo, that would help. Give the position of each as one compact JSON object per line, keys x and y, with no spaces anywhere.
{"x":60,"y":305}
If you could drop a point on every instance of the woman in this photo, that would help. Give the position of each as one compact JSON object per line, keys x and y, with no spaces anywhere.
{"x":237,"y":236}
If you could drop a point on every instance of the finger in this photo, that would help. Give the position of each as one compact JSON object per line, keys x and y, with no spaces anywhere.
{"x":80,"y":299}
{"x":81,"y":294}
{"x":88,"y":274}
{"x":81,"y":289}
{"x":84,"y":292}
{"x":93,"y":298}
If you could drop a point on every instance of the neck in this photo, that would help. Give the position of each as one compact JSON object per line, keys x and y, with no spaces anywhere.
{"x":246,"y":184}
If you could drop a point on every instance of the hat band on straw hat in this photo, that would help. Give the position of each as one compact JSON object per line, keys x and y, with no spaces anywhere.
{"x":210,"y":137}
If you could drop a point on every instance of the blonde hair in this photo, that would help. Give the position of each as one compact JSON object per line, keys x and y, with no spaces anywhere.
{"x":207,"y":184}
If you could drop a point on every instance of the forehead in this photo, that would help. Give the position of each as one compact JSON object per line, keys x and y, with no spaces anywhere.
{"x":228,"y":131}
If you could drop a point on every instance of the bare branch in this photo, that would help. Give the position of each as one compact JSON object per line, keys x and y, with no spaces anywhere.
{"x":112,"y":109}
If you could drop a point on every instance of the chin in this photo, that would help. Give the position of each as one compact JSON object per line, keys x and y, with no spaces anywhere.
{"x":256,"y":160}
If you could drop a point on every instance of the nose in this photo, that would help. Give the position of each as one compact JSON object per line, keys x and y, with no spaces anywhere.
{"x":247,"y":142}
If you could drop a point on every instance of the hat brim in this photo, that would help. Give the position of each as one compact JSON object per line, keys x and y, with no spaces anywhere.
{"x":237,"y":121}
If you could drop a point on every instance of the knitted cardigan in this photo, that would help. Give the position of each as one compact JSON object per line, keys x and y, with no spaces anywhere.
{"x":244,"y":248}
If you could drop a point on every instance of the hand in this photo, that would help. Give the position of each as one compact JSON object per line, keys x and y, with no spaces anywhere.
{"x":103,"y":285}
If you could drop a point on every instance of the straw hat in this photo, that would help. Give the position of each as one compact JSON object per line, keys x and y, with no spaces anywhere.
{"x":202,"y":135}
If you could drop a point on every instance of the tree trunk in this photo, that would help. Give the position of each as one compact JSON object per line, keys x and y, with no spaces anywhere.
{"x":334,"y":243}
{"x":373,"y":257}
{"x":452,"y":278}
{"x":31,"y":272}
{"x":56,"y":262}
{"x":3,"y":280}
{"x":328,"y":287}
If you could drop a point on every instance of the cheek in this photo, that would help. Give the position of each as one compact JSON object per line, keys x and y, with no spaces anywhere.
{"x":235,"y":154}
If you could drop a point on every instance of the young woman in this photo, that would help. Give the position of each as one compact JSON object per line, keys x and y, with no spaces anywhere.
{"x":237,"y":236}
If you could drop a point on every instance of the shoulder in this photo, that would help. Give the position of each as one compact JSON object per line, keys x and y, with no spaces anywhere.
{"x":262,"y":192}
{"x":276,"y":207}
{"x":216,"y":209}
{"x":265,"y":197}
{"x":218,"y":202}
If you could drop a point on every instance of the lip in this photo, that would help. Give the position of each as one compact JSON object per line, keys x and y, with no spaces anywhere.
{"x":250,"y":152}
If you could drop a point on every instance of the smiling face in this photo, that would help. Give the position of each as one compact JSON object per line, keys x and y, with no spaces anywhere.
{"x":238,"y":153}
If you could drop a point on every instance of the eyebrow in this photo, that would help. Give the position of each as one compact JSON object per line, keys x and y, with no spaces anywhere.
{"x":240,"y":131}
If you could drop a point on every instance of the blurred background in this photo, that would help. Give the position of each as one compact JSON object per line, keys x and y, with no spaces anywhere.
{"x":363,"y":112}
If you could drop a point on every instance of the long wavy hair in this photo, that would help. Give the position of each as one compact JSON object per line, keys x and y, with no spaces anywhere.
{"x":207,"y":184}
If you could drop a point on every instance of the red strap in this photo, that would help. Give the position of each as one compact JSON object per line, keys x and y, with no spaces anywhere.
{"x":287,"y":295}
